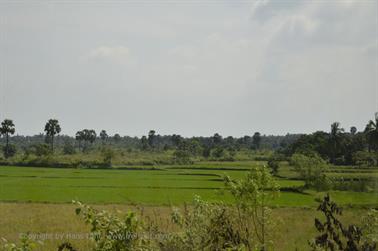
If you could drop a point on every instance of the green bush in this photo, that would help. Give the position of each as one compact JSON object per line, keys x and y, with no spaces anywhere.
{"x":110,"y":232}
{"x":311,"y":169}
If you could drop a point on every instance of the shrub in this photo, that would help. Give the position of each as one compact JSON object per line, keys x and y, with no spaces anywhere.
{"x":370,"y":227}
{"x":108,"y":154}
{"x":26,"y":244}
{"x":41,"y":150}
{"x":364,"y":158}
{"x":274,"y":166}
{"x":208,"y":226}
{"x":311,"y":169}
{"x":251,"y":196}
{"x":217,"y":152}
{"x":182,"y":157}
{"x":333,"y":235}
{"x":110,"y":232}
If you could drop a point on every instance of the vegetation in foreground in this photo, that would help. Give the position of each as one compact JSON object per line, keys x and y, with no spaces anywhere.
{"x":246,"y":224}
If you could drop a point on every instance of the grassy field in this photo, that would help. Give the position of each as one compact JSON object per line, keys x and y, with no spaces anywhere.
{"x":165,"y":185}
{"x":37,"y":200}
{"x":60,"y":220}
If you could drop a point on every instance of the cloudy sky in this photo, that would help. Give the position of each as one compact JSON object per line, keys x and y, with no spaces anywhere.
{"x":189,"y":67}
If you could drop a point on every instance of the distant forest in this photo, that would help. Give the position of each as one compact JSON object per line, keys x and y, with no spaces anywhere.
{"x":338,"y":146}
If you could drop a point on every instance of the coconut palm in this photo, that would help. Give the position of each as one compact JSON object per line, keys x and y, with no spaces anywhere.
{"x":371,"y":132}
{"x":335,"y":138}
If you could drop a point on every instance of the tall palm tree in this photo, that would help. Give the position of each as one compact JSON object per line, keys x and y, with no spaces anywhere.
{"x":103,"y":136}
{"x":335,"y":139}
{"x":371,"y":132}
{"x":7,"y":128}
{"x":52,"y":128}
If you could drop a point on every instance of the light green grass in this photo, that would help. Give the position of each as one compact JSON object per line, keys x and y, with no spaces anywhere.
{"x":169,"y":185}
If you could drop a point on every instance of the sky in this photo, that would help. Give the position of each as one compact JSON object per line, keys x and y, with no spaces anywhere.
{"x":189,"y":67}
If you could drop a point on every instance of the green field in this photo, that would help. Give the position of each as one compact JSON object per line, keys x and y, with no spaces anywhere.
{"x":163,"y":185}
{"x":38,"y":199}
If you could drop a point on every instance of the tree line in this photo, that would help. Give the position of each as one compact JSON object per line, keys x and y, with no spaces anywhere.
{"x":338,"y":146}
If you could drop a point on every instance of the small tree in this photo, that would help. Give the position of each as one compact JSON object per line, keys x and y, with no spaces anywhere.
{"x":86,"y":135}
{"x":256,"y":140}
{"x":103,"y":136}
{"x":110,"y":232}
{"x":311,"y":169}
{"x":108,"y":154}
{"x":252,"y":195}
{"x":52,"y":128}
{"x":7,"y":128}
{"x":274,"y":165}
{"x":151,"y":138}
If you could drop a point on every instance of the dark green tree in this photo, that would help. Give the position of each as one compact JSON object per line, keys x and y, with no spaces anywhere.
{"x":371,"y":132}
{"x":52,"y":128}
{"x":335,"y":138}
{"x":353,"y":130}
{"x":86,"y":135}
{"x":217,"y":139}
{"x":256,"y":140}
{"x":103,"y":136}
{"x":7,"y":128}
{"x":151,"y":138}
{"x":117,"y":138}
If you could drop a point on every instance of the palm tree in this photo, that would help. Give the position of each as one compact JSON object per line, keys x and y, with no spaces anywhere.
{"x":335,"y":139}
{"x":371,"y":132}
{"x":353,"y":130}
{"x":7,"y":128}
{"x":103,"y":136}
{"x":52,"y":128}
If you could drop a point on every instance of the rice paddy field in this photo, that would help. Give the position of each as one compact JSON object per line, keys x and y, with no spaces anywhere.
{"x":38,"y":200}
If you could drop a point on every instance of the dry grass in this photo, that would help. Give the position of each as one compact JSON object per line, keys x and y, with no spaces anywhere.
{"x":294,"y":225}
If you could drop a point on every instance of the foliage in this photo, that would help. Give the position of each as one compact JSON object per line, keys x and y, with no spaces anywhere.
{"x":182,"y":156}
{"x":274,"y":166}
{"x":365,"y":158}
{"x":41,"y":150}
{"x":7,"y":128}
{"x":88,"y":136}
{"x":251,"y":196}
{"x":256,"y":140}
{"x":26,"y":244}
{"x":311,"y":169}
{"x":9,"y":151}
{"x":218,"y":152}
{"x":333,"y":235}
{"x":371,"y":132}
{"x":52,"y":128}
{"x":103,"y":136}
{"x":110,"y":232}
{"x":108,"y":154}
{"x":370,"y":227}
{"x":207,"y":226}
{"x":68,"y":148}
